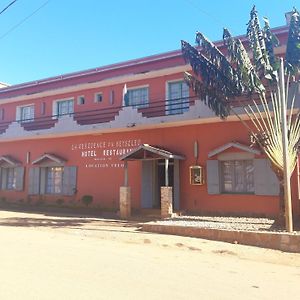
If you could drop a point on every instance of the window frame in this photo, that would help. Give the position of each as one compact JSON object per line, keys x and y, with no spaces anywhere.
{"x":169,"y":103}
{"x":55,"y":109}
{"x":2,"y":112}
{"x":96,"y":95}
{"x":19,"y":113}
{"x":51,"y":189}
{"x":80,"y":100}
{"x":136,"y":88}
{"x":234,"y":176}
{"x":11,"y":179}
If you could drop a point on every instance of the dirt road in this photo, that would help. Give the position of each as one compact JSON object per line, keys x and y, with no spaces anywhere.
{"x":49,"y":257}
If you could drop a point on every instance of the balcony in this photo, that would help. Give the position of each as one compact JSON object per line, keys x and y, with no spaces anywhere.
{"x":107,"y":119}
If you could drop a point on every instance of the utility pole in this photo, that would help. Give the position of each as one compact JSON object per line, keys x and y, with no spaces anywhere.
{"x":286,"y":165}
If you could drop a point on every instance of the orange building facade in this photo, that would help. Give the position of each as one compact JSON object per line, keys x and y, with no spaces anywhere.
{"x":65,"y":137}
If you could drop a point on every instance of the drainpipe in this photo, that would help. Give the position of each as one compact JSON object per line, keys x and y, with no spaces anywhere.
{"x":167,"y":172}
{"x":125,"y":174}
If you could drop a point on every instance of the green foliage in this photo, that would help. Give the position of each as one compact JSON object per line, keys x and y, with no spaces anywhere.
{"x":87,"y":199}
{"x":271,"y":42}
{"x":220,"y":80}
{"x":258,"y":45}
{"x":238,"y":56}
{"x":293,"y":44}
{"x":60,"y":201}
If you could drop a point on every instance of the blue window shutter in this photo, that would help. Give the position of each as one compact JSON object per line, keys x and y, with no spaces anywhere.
{"x":34,"y":181}
{"x":43,"y":180}
{"x":19,"y":178}
{"x":213,"y":177}
{"x":3,"y":178}
{"x":69,"y":181}
{"x":265,"y":180}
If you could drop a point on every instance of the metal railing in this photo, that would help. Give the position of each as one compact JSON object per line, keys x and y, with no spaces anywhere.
{"x":156,"y":108}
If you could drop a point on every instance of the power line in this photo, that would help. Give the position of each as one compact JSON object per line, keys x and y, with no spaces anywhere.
{"x":5,"y":8}
{"x":24,"y":20}
{"x":215,"y":18}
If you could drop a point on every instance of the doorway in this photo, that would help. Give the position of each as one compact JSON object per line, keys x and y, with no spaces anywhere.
{"x":153,"y":178}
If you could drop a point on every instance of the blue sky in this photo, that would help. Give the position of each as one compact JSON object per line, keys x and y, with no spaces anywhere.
{"x":72,"y":35}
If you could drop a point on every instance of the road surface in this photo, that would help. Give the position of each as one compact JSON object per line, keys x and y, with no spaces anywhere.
{"x":50,"y":257}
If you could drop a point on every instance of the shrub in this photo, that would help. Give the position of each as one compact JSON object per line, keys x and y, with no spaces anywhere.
{"x":60,"y":201}
{"x":87,"y":200}
{"x":28,"y":200}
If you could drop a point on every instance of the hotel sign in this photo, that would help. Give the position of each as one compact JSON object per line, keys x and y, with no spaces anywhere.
{"x":104,"y":154}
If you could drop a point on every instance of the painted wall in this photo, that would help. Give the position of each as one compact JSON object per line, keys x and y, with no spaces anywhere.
{"x":100,"y":172}
{"x":157,"y":93}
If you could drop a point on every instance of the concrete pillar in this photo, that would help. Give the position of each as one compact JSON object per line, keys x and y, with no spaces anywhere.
{"x":166,"y":201}
{"x":125,"y":202}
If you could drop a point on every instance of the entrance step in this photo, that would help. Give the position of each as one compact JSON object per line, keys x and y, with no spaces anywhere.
{"x":156,"y":213}
{"x":150,"y":212}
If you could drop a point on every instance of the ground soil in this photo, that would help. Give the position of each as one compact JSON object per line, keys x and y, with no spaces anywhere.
{"x":50,"y":256}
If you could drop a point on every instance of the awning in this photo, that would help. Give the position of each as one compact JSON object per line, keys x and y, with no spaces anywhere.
{"x":233,"y":145}
{"x":47,"y":157}
{"x":9,"y":161}
{"x":147,"y":152}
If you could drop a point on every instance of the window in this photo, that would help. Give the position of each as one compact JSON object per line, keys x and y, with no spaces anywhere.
{"x":237,"y":176}
{"x":25,"y":113}
{"x":98,"y":98}
{"x":80,"y":100}
{"x":43,"y":108}
{"x":11,"y":178}
{"x":138,"y":97}
{"x":1,"y":114}
{"x":64,"y":107}
{"x":54,"y":180}
{"x":178,"y":98}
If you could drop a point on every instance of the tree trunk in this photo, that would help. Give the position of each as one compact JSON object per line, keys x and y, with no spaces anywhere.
{"x":281,"y":216}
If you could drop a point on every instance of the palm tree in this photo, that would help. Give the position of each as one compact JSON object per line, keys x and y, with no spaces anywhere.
{"x":263,"y":87}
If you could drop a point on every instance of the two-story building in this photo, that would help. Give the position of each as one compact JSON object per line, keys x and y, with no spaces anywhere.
{"x":63,"y":137}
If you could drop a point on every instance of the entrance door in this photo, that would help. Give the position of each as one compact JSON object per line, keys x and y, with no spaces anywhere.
{"x":153,"y":178}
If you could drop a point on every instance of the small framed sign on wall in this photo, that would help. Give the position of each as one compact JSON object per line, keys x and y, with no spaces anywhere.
{"x":196,"y":175}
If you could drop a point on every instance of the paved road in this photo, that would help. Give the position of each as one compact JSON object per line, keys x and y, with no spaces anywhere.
{"x":48,"y":257}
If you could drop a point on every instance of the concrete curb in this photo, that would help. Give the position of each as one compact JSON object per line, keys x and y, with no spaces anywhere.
{"x":279,"y":241}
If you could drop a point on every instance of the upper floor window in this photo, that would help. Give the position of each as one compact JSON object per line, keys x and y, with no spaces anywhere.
{"x":98,"y":97}
{"x":64,"y":107}
{"x":177,"y":97}
{"x":237,"y":176}
{"x":25,"y":113}
{"x":43,"y":108}
{"x":138,"y":97}
{"x":80,"y":100}
{"x":1,"y":114}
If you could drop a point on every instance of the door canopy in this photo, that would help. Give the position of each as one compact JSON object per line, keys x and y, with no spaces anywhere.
{"x":147,"y":152}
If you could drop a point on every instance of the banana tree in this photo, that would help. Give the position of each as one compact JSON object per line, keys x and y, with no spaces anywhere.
{"x":260,"y":88}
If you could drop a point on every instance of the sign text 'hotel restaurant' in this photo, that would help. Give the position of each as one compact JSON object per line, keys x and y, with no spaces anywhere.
{"x":105,"y":154}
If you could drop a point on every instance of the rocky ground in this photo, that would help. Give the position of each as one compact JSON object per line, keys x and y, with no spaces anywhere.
{"x":226,"y":223}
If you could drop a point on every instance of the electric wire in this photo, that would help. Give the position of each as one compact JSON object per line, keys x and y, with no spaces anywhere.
{"x":25,"y":19}
{"x":215,"y":18}
{"x":5,"y":8}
